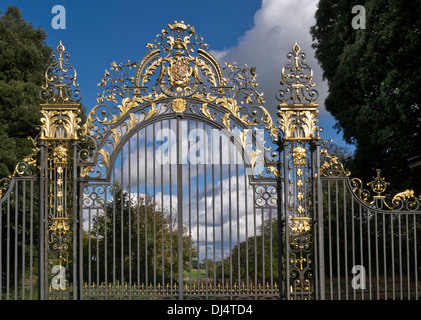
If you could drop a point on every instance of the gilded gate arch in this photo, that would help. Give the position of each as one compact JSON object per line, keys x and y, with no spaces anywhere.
{"x":258,"y":208}
{"x":179,"y":86}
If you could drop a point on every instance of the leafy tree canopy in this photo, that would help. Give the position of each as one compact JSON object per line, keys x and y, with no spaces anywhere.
{"x":374,"y":78}
{"x":24,"y":57}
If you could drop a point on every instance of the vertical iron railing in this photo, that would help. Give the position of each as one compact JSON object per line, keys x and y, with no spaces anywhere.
{"x":18,"y":240}
{"x":370,"y":254}
{"x":318,"y":236}
{"x":190,"y":228}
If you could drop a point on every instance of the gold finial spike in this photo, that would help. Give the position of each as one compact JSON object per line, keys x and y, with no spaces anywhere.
{"x":60,"y":48}
{"x":296,"y":48}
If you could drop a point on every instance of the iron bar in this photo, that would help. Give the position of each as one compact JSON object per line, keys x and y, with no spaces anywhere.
{"x":392,"y":247}
{"x":222,"y":206}
{"x":180,"y":208}
{"x":146,"y":208}
{"x":361,"y":244}
{"x":189,"y":208}
{"x":162,"y":204}
{"x":338,"y":262}
{"x":413,"y":267}
{"x":213,"y":159}
{"x":377,"y":256}
{"x":154,"y":206}
{"x":230,"y":212}
{"x":287,"y":223}
{"x":23,"y":236}
{"x":205,"y":203}
{"x":130,"y":215}
{"x":138,"y":206}
{"x":281,"y":216}
{"x":329,"y":219}
{"x":345,"y":239}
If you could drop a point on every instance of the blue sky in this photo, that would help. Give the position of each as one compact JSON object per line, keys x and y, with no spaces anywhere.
{"x":258,"y":33}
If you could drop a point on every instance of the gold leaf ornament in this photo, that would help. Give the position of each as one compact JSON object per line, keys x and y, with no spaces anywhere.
{"x":179,"y":105}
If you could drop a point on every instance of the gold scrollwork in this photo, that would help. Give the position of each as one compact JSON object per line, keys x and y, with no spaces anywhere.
{"x":300,"y":225}
{"x":298,"y":77}
{"x":298,"y":124}
{"x":331,"y":165}
{"x":60,"y":123}
{"x":60,"y":154}
{"x":105,"y":157}
{"x":59,"y":231}
{"x":405,"y":195}
{"x":299,"y":155}
{"x":378,"y":184}
{"x":23,"y":168}
{"x":176,"y":75}
{"x":401,"y":201}
{"x":60,"y":80}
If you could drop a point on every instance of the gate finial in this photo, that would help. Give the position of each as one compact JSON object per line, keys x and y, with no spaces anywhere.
{"x":60,"y":79}
{"x":61,"y":98}
{"x":297,"y":110}
{"x":298,"y":77}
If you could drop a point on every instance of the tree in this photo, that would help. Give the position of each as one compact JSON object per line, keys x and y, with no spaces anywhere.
{"x":134,"y":240}
{"x":24,"y":57}
{"x":374,"y":76}
{"x":254,"y":258}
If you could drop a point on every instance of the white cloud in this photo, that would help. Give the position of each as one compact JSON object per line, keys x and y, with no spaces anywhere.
{"x":218,"y":215}
{"x":277,"y":25}
{"x":155,"y":162}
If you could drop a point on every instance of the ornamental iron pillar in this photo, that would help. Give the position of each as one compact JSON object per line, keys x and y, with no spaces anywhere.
{"x":59,"y":134}
{"x":300,"y":146}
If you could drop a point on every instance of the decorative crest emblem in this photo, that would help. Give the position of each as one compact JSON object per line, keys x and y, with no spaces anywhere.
{"x":179,"y":73}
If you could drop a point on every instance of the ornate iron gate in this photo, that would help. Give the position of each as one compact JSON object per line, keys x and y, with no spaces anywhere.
{"x":179,"y":185}
{"x":366,"y":232}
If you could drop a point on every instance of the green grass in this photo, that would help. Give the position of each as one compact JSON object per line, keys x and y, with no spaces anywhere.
{"x":194,"y":272}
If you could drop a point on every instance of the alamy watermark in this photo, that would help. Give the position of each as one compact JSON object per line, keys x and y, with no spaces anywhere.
{"x":59,"y":281}
{"x":358,"y":22}
{"x":214,"y":146}
{"x":359,"y":279}
{"x":59,"y":20}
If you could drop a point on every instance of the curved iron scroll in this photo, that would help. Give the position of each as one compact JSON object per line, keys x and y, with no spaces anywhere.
{"x":177,"y":77}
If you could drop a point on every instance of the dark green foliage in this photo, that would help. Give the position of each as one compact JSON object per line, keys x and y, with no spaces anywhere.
{"x":254,"y":258}
{"x":374,"y":78}
{"x":24,"y":57}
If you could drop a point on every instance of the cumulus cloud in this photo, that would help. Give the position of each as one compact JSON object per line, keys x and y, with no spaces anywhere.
{"x":277,"y":25}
